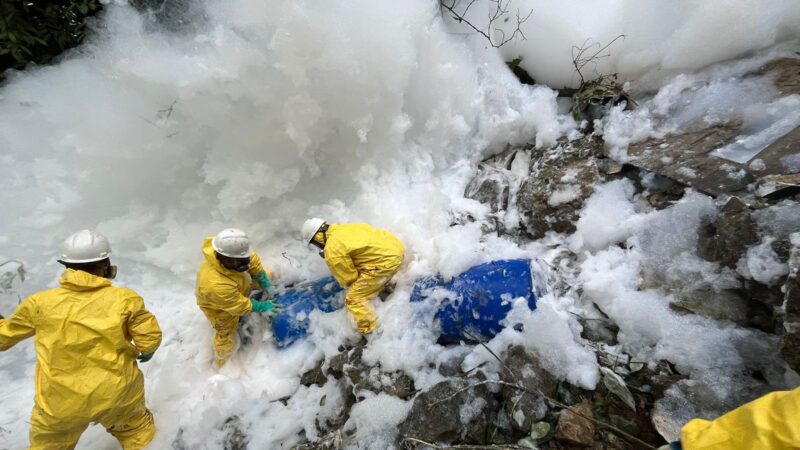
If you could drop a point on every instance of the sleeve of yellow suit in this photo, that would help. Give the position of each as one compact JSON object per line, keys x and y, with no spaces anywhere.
{"x":256,"y":266}
{"x":143,"y":327}
{"x":340,"y":264}
{"x":17,"y":327}
{"x":771,"y":422}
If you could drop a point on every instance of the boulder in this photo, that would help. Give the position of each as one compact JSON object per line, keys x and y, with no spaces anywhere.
{"x":455,"y":410}
{"x":551,"y":197}
{"x":790,"y":343}
{"x":726,"y":239}
{"x":526,"y":408}
{"x":491,"y":187}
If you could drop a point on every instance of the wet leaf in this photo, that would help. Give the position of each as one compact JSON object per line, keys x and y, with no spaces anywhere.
{"x":539,"y":430}
{"x":616,"y":385}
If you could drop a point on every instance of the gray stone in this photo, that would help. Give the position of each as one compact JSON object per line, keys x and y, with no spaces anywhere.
{"x":727,"y":304}
{"x":314,"y":376}
{"x":491,"y":187}
{"x":726,"y":240}
{"x":561,"y":179}
{"x":790,"y":343}
{"x":235,"y":438}
{"x":336,"y":365}
{"x":450,"y":411}
{"x":402,"y":386}
{"x":523,"y":369}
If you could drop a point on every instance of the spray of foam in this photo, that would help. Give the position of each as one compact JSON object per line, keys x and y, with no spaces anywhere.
{"x":258,"y":115}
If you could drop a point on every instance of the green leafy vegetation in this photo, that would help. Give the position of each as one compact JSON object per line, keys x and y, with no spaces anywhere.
{"x":36,"y":31}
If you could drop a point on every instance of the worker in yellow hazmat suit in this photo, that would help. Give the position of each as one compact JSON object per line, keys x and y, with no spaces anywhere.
{"x":362,"y":259}
{"x":771,"y":422}
{"x":229,"y":272}
{"x":88,"y":335}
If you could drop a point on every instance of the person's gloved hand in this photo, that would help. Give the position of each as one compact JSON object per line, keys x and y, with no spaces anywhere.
{"x":144,"y":357}
{"x":267,"y":307}
{"x":264,"y":283}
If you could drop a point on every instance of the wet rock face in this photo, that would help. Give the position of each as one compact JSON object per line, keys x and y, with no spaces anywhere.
{"x":726,"y":240}
{"x":560,"y":180}
{"x":451,"y":411}
{"x":522,"y":408}
{"x":490,"y":187}
{"x":790,"y":345}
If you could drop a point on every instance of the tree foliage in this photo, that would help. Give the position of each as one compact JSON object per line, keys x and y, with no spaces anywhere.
{"x":36,"y":31}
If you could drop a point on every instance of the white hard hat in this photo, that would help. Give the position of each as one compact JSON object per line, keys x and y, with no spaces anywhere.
{"x":233,"y":243}
{"x":310,"y":228}
{"x":85,"y":246}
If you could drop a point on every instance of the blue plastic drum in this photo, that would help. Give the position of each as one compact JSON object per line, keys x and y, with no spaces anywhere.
{"x":472,"y":304}
{"x":475,"y":302}
{"x":298,"y":302}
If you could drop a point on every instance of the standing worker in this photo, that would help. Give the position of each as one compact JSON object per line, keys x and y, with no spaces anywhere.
{"x":362,"y":259}
{"x":88,"y":336}
{"x":230,"y":271}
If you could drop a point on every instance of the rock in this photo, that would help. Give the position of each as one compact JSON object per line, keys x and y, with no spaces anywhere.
{"x":336,"y":365}
{"x":314,"y":376}
{"x":726,"y":240}
{"x":687,"y":158}
{"x":354,"y":370}
{"x":451,"y":411}
{"x":785,"y":73}
{"x":574,"y":429}
{"x":491,"y":187}
{"x":451,"y":367}
{"x":599,"y":330}
{"x":728,"y":304}
{"x":560,"y":180}
{"x":402,"y":386}
{"x":234,"y":438}
{"x":525,"y":408}
{"x":790,"y":343}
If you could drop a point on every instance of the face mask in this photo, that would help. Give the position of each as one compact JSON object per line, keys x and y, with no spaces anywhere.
{"x":243,"y":266}
{"x":111,"y":272}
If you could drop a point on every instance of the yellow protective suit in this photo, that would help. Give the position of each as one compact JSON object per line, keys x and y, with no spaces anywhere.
{"x":362,"y":259}
{"x":88,"y":334}
{"x":770,"y":423}
{"x":222,"y":295}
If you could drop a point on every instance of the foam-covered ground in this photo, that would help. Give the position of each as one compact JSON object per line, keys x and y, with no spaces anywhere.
{"x":263,"y":113}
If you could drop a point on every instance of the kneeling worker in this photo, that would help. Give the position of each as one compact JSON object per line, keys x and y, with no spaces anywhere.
{"x":362,"y":259}
{"x":230,"y":271}
{"x":88,"y":336}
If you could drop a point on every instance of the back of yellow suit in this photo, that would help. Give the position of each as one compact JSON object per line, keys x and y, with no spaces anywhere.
{"x":770,"y":423}
{"x":88,"y":334}
{"x":362,"y":259}
{"x":222,"y":295}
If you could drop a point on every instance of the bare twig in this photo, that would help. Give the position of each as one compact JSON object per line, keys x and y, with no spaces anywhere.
{"x":580,"y":59}
{"x":463,"y":446}
{"x":498,"y":12}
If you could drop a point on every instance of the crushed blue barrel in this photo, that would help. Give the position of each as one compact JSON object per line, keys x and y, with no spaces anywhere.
{"x":473,"y":303}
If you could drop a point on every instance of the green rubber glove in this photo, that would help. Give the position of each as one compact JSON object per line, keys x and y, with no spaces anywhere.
{"x":144,"y":357}
{"x":265,"y":307}
{"x":264,"y":283}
